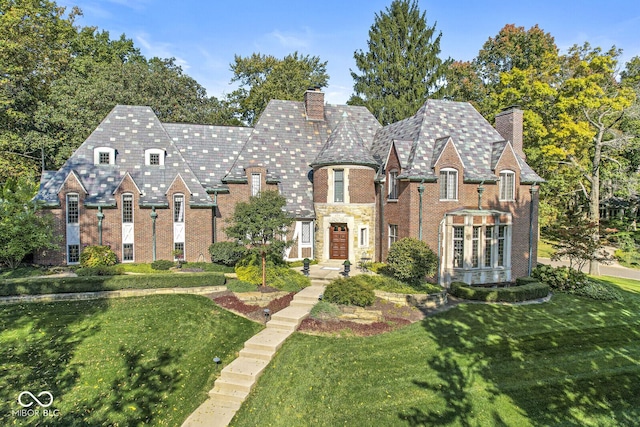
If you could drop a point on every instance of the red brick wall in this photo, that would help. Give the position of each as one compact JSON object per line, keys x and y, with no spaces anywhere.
{"x":361,"y":186}
{"x":320,"y":185}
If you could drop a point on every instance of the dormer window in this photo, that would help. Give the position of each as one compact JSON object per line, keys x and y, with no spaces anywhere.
{"x":507,"y":186}
{"x":104,"y":156}
{"x":154,"y":157}
{"x":448,"y":184}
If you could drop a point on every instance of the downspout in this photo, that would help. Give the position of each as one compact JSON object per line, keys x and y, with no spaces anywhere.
{"x":154,"y":216}
{"x":439,"y":276}
{"x":100,"y":218}
{"x":381,"y":221}
{"x":420,"y":192}
{"x":533,"y":191}
{"x":213,"y":219}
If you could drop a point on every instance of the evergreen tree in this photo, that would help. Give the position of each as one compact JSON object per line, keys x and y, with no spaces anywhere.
{"x":402,"y":68}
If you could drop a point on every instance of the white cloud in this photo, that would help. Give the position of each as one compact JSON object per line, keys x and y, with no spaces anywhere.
{"x":161,"y":50}
{"x":292,"y":40}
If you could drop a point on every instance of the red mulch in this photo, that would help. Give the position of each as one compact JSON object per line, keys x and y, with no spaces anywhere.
{"x":254,"y":312}
{"x":347,"y":326}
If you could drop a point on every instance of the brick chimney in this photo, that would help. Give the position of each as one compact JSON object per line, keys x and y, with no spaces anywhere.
{"x":509,"y":125}
{"x":314,"y":104}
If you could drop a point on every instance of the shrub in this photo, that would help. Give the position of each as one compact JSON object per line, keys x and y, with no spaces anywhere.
{"x":97,"y":256}
{"x":325,"y":310}
{"x":526,"y":280}
{"x":377,"y":267}
{"x":349,"y":291}
{"x":227,"y":253}
{"x":278,"y":276}
{"x":511,"y":294}
{"x":411,"y":260}
{"x":599,"y":291}
{"x":162,"y":264}
{"x":562,"y":279}
{"x":111,"y":270}
{"x":300,"y":263}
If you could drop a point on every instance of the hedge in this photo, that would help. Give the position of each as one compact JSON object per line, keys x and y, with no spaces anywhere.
{"x":526,"y":292}
{"x":58,"y":285}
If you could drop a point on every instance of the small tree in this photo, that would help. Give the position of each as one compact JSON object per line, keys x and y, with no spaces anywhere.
{"x":22,"y":229}
{"x":574,"y":241}
{"x":262,"y":225}
{"x":411,"y":260}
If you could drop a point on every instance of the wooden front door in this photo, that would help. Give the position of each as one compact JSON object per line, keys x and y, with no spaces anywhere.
{"x":339,"y":238}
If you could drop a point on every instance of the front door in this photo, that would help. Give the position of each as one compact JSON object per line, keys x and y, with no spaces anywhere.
{"x":339,"y":238}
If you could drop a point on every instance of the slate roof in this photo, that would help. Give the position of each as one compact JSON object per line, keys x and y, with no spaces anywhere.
{"x":286,"y":143}
{"x":477,"y":142}
{"x":344,"y":147}
{"x":129,"y":130}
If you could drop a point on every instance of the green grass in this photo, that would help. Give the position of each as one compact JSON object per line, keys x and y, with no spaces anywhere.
{"x":545,"y":249}
{"x":126,"y":362}
{"x":23,"y":271}
{"x":53,"y":285}
{"x":572,"y":361}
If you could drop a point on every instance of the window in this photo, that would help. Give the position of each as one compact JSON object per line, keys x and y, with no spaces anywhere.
{"x":501,"y":244}
{"x":364,"y":237}
{"x":475,"y":247}
{"x":393,"y":234}
{"x":178,"y":250}
{"x":393,"y":185}
{"x":488,"y":244}
{"x":507,"y":185}
{"x":448,"y":184}
{"x":178,"y":208}
{"x":458,"y":247}
{"x":127,"y":208}
{"x":72,"y":209}
{"x":154,"y":159}
{"x":73,"y":253}
{"x":256,"y":180}
{"x":306,"y":232}
{"x":104,"y":156}
{"x":127,"y":252}
{"x":338,"y":185}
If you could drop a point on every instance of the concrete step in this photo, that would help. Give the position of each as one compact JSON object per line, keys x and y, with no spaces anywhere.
{"x":228,"y":396}
{"x":244,"y":369}
{"x":231,"y":384}
{"x":255,"y":353}
{"x":282,"y":324}
{"x":303,"y":303}
{"x":212,"y":413}
{"x":311,"y":299}
{"x":268,"y":339}
{"x":291,"y":314}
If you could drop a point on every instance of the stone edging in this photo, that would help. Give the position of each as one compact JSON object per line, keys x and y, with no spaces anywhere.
{"x":416,"y":300}
{"x":122,"y":293}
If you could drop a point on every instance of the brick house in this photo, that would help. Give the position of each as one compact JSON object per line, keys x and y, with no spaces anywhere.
{"x":444,"y":175}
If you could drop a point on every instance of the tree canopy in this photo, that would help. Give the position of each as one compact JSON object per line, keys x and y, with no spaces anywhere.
{"x":402,"y":67}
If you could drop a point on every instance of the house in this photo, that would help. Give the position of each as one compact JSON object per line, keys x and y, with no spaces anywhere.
{"x":444,"y":175}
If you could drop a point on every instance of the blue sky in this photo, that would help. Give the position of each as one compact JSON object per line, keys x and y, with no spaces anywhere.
{"x":205,"y":35}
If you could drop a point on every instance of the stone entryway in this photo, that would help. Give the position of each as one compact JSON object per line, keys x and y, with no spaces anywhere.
{"x":339,"y":241}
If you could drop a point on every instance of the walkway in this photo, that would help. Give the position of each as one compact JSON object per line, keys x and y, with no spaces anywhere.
{"x":614,"y":269}
{"x":238,"y":378}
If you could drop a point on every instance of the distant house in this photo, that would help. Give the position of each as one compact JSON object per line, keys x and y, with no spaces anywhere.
{"x":444,"y":175}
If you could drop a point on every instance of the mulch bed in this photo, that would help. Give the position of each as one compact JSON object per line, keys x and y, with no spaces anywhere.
{"x":254,"y":312}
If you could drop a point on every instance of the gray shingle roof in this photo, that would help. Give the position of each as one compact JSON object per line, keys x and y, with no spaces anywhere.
{"x":129,"y":130}
{"x":344,"y":147}
{"x":476,"y":140}
{"x":286,"y":143}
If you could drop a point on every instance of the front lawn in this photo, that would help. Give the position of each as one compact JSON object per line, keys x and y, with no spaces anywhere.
{"x":127,"y":362}
{"x":573,"y":361}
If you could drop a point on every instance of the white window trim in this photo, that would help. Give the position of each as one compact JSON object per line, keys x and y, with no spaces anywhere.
{"x":457,"y":174}
{"x":503,"y":178}
{"x":96,"y":155}
{"x":256,"y":183}
{"x":302,"y":226}
{"x":363,"y":243}
{"x":483,"y":246}
{"x":147,"y":156}
{"x":393,"y":185}
{"x":395,"y":235}
{"x":343,"y":186}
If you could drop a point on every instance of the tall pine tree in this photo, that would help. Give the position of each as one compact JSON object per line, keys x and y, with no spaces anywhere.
{"x":402,"y":67}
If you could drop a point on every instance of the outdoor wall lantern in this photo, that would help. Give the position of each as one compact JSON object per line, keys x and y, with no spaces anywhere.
{"x":305,"y":266}
{"x":267,"y":314}
{"x":347,"y":268}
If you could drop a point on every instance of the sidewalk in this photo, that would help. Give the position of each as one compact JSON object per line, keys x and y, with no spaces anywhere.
{"x":614,"y":269}
{"x":239,"y":377}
